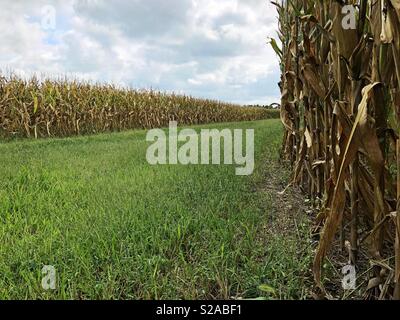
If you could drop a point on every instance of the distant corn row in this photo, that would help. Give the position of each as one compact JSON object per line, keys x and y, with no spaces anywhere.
{"x":33,"y":108}
{"x":340,"y":86}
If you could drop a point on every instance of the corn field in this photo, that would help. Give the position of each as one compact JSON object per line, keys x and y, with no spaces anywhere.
{"x":341,"y":110}
{"x":57,"y":108}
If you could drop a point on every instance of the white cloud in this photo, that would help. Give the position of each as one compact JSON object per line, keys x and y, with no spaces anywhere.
{"x":208,"y":48}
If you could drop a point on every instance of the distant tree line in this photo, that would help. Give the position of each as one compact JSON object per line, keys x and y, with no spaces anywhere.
{"x":270,"y":106}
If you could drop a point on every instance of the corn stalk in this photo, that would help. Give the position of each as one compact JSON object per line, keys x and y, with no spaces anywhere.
{"x":341,"y":112}
{"x":56,"y":108}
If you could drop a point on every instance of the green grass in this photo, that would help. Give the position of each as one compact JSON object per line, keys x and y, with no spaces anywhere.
{"x":115,"y":227}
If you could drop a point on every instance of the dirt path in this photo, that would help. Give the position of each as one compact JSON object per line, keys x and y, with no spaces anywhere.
{"x":287,"y":233}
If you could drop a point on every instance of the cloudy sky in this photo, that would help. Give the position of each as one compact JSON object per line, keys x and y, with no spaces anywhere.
{"x":206,"y":48}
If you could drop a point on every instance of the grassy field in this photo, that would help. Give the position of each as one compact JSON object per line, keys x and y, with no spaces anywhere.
{"x":115,"y":227}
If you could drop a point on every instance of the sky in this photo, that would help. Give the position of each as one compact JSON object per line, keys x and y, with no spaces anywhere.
{"x":205,"y":48}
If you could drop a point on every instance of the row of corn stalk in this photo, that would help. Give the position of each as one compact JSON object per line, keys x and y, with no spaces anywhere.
{"x":340,"y":64}
{"x":52,"y":108}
